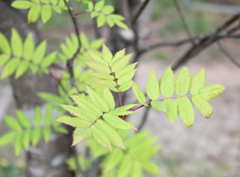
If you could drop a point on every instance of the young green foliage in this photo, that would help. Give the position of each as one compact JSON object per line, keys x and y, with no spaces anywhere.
{"x":23,"y":132}
{"x":20,"y":56}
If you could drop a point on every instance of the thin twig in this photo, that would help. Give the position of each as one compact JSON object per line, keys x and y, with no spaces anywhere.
{"x":179,"y":10}
{"x":228,"y":55}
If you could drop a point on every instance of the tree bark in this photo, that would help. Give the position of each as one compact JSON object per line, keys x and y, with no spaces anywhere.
{"x":44,"y":160}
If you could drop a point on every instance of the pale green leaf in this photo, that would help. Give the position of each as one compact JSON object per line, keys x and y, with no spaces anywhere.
{"x":125,"y":70}
{"x":120,"y":54}
{"x":109,"y":21}
{"x":211,"y":91}
{"x":46,"y":13}
{"x":202,"y":105}
{"x":37,"y":116}
{"x":126,"y":107}
{"x":18,"y":144}
{"x":39,"y":52}
{"x":84,"y":40}
{"x":97,"y":58}
{"x":126,"y":77}
{"x":120,"y":63}
{"x":98,"y":67}
{"x":4,"y":58}
{"x":10,"y":67}
{"x":159,"y":106}
{"x":16,"y":44}
{"x":183,"y":82}
{"x":46,"y":134}
{"x":54,"y":2}
{"x":23,"y":119}
{"x":99,"y":5}
{"x":198,"y":81}
{"x":167,"y":83}
{"x":48,"y":60}
{"x":94,"y":14}
{"x":125,"y":166}
{"x":101,"y":19}
{"x":96,"y":44}
{"x":111,"y":133}
{"x":57,"y":9}
{"x":185,"y":111}
{"x":22,"y":4}
{"x":107,"y":83}
{"x":108,"y":97}
{"x":117,"y":122}
{"x":21,"y":69}
{"x":120,"y":24}
{"x":48,"y":116}
{"x":4,"y":44}
{"x":102,"y":76}
{"x":101,"y":138}
{"x":171,"y":109}
{"x":138,"y":93}
{"x":7,"y":138}
{"x":81,"y":134}
{"x":28,"y":47}
{"x":90,"y":6}
{"x":122,"y":113}
{"x":58,"y":128}
{"x":107,"y":54}
{"x":136,"y":170}
{"x":51,"y":97}
{"x":107,"y":10}
{"x":12,"y":123}
{"x":151,"y":167}
{"x":126,"y":86}
{"x":117,"y":17}
{"x":73,"y":121}
{"x":152,"y":87}
{"x":36,"y":136}
{"x":34,"y":13}
{"x":26,"y":138}
{"x":97,"y":99}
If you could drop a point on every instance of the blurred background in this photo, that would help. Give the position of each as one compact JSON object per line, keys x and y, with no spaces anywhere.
{"x":211,"y":148}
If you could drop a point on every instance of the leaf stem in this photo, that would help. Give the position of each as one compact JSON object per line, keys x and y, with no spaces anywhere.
{"x":119,"y":95}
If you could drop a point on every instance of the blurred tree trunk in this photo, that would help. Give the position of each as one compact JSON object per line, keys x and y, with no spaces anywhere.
{"x":45,"y":160}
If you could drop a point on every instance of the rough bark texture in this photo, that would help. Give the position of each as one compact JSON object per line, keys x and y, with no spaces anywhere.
{"x":45,"y":160}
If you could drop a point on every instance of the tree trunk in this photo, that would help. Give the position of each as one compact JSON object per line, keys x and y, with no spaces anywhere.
{"x":45,"y":160}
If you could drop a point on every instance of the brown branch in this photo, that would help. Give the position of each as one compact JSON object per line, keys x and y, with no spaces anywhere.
{"x":228,"y":55}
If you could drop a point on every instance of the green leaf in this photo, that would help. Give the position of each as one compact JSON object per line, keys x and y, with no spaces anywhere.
{"x":117,"y":122}
{"x":102,"y":76}
{"x":12,"y":124}
{"x":101,"y":137}
{"x":7,"y":138}
{"x":28,"y":47}
{"x":211,"y":91}
{"x":183,"y":82}
{"x":37,"y":116}
{"x":94,"y":14}
{"x":18,"y":144}
{"x":36,"y":136}
{"x":10,"y":67}
{"x":90,"y":6}
{"x":73,"y":121}
{"x":97,"y":58}
{"x":107,"y":10}
{"x":39,"y":52}
{"x":4,"y":58}
{"x":58,"y":128}
{"x":159,"y":106}
{"x":167,"y":83}
{"x":16,"y":43}
{"x":107,"y":83}
{"x":101,"y":19}
{"x":98,"y":67}
{"x":51,"y":97}
{"x":96,"y":44}
{"x":120,"y":54}
{"x":203,"y":106}
{"x":108,"y":97}
{"x":81,"y":134}
{"x":4,"y":44}
{"x":84,"y":40}
{"x":126,"y":77}
{"x":26,"y":138}
{"x":48,"y":116}
{"x":120,"y":24}
{"x":125,"y":166}
{"x":125,"y":70}
{"x":46,"y":134}
{"x":99,"y":5}
{"x":126,"y":86}
{"x":117,"y":17}
{"x":126,"y":107}
{"x":21,"y":69}
{"x":46,"y":13}
{"x":109,"y":21}
{"x":122,"y":113}
{"x":23,"y":119}
{"x":171,"y":109}
{"x":34,"y":13}
{"x":111,"y":133}
{"x":136,"y":170}
{"x":138,"y":93}
{"x":151,"y":167}
{"x":48,"y":60}
{"x":198,"y":81}
{"x":152,"y":87}
{"x":107,"y":54}
{"x":97,"y":99}
{"x":120,"y":63}
{"x":185,"y":111}
{"x":22,"y":4}
{"x":57,"y":9}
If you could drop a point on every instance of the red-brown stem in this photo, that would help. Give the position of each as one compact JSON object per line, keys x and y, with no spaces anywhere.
{"x":96,"y":121}
{"x":79,"y":13}
{"x":119,"y":95}
{"x":79,"y":4}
